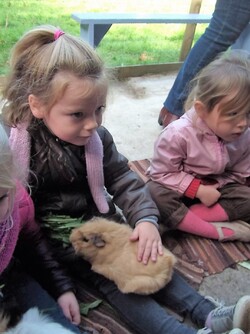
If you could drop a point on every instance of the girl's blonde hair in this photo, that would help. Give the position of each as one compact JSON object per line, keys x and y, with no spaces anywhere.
{"x":226,"y":76}
{"x":7,"y":168}
{"x":36,"y":58}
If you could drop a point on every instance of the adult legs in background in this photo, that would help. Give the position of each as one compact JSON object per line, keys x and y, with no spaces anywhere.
{"x":229,"y":19}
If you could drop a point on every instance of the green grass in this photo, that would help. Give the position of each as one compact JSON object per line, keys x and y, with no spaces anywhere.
{"x":122,"y":45}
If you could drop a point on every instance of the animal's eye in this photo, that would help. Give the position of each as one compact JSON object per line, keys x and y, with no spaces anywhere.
{"x":85,"y":239}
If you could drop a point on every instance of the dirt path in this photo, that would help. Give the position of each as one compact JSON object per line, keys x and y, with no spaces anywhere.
{"x":132,"y":113}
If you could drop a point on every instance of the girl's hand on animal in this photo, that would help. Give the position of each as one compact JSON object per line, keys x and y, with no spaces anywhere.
{"x":70,"y":307}
{"x":149,"y":242}
{"x":208,"y":194}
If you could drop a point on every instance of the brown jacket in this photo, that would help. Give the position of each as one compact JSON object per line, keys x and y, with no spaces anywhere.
{"x":60,"y":183}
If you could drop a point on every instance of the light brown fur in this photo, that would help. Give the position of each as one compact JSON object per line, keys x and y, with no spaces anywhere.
{"x":106,"y":245}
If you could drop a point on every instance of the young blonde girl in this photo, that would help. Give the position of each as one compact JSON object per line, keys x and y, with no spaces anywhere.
{"x":20,"y":233}
{"x":55,"y":98}
{"x":201,"y":161}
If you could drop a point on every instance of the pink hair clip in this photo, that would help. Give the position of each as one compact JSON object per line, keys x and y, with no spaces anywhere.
{"x":58,"y":33}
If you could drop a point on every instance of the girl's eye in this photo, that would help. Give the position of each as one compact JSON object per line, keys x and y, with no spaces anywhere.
{"x":4,"y":196}
{"x":232,"y":113}
{"x":77,"y":115}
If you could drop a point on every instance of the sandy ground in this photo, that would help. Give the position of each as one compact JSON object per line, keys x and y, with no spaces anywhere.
{"x":131,"y":117}
{"x":132,"y":113}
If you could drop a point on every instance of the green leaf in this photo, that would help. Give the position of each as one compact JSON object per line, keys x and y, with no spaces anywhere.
{"x":85,"y":308}
{"x":59,"y":227}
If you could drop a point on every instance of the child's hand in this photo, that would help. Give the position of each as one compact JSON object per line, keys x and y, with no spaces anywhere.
{"x":150,"y":244}
{"x":70,"y":307}
{"x":208,"y":194}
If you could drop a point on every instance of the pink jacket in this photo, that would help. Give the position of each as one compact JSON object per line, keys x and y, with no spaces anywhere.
{"x":188,"y":149}
{"x":22,"y":221}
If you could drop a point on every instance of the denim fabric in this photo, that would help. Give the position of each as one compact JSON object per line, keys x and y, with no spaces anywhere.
{"x":243,"y":42}
{"x":229,"y":19}
{"x":28,"y":293}
{"x":144,"y":313}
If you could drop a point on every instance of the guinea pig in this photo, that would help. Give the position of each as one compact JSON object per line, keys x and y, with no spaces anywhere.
{"x":106,"y":245}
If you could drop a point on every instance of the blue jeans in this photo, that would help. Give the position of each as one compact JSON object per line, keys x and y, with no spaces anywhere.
{"x":144,"y":313}
{"x":230,"y":17}
{"x":28,"y":293}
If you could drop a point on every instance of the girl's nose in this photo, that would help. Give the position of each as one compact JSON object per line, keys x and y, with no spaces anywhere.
{"x":244,"y":122}
{"x":91,"y":123}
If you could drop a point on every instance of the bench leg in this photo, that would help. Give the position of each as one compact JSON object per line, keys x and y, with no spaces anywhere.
{"x":93,"y":33}
{"x":99,"y":32}
{"x":87,"y":33}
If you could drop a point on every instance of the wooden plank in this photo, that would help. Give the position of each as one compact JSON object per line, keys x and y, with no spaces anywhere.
{"x":93,"y":26}
{"x":122,"y":72}
{"x":122,"y":18}
{"x":189,"y":31}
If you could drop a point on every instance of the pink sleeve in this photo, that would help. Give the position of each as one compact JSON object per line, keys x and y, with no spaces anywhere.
{"x":26,"y":209}
{"x":167,"y":163}
{"x":192,"y":188}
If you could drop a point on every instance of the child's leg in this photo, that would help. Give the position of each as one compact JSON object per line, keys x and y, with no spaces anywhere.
{"x":214,"y":213}
{"x":225,"y":318}
{"x":169,"y":203}
{"x":218,"y":318}
{"x":29,"y":293}
{"x":146,"y":316}
{"x":192,"y":223}
{"x":234,"y":204}
{"x":235,"y":200}
{"x":181,"y":297}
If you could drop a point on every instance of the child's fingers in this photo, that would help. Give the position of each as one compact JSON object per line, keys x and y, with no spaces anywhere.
{"x":147,"y":252}
{"x":150,"y":251}
{"x":154,"y":251}
{"x":157,"y":249}
{"x":135,"y":235}
{"x":160,"y":247}
{"x":141,"y":249}
{"x":76,"y":317}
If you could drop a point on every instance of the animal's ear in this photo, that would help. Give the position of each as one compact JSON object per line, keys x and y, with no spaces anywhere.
{"x":97,"y":240}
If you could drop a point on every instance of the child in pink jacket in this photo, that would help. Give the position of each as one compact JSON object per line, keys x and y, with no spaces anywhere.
{"x":201,"y":161}
{"x":21,"y":238}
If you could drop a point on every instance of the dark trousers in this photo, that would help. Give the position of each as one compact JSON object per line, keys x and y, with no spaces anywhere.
{"x":173,"y":206}
{"x":28,"y":293}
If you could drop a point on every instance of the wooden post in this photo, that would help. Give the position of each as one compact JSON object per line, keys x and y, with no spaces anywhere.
{"x":188,"y":38}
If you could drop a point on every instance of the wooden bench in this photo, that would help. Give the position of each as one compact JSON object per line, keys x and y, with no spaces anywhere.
{"x":94,"y":26}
